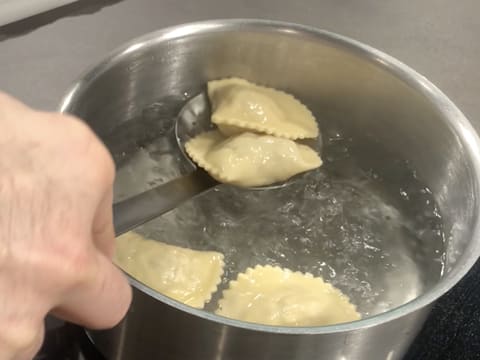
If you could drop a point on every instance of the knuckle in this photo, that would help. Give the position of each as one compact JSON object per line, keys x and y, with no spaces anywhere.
{"x":84,"y":144}
{"x":90,"y":145}
{"x":107,"y":165}
{"x":68,"y":265}
{"x":78,"y":270}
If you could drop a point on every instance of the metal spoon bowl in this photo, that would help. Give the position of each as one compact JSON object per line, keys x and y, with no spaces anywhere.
{"x":193,"y":119}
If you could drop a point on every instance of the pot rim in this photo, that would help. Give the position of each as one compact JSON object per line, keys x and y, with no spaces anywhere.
{"x":452,"y":115}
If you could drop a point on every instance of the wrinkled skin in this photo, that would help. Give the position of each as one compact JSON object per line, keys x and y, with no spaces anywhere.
{"x":56,"y":231}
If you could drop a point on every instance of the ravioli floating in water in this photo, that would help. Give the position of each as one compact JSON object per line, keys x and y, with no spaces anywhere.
{"x":238,"y":105}
{"x":250,"y":159}
{"x":274,"y":296}
{"x":186,"y":275}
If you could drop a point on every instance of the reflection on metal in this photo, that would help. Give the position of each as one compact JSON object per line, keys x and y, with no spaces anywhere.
{"x":134,"y":47}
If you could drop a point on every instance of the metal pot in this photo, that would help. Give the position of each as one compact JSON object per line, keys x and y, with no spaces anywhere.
{"x":358,"y":87}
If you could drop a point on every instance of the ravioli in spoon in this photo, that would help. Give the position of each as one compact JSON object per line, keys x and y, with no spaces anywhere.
{"x":249,"y":159}
{"x":254,"y":142}
{"x":239,"y":105}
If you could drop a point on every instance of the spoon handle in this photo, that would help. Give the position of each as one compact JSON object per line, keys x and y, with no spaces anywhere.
{"x":139,"y":209}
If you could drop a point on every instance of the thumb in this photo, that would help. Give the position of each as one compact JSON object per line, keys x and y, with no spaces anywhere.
{"x":101,"y":301}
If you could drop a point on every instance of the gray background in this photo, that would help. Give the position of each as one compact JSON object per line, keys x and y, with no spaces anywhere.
{"x":41,"y":56}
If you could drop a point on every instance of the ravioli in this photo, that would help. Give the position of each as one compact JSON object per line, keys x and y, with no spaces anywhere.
{"x":250,"y":159}
{"x":274,"y":296}
{"x":186,"y":275}
{"x":238,"y":105}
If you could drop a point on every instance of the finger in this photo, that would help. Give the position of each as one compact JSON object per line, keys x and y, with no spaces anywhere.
{"x":5,"y":98}
{"x":100,"y":302}
{"x":10,"y":104}
{"x":103,"y":233}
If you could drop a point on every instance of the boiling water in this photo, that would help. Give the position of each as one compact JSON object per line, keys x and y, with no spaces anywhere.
{"x":363,"y":222}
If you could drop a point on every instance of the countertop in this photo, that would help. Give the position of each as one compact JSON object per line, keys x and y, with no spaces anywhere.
{"x":42,"y":55}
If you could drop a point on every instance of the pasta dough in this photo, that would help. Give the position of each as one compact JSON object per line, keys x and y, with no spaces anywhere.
{"x":238,"y":105}
{"x":250,"y":159}
{"x":273,"y":296}
{"x":185,"y":275}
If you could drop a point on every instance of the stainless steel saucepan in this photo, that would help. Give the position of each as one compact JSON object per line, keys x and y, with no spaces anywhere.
{"x":131,"y":100}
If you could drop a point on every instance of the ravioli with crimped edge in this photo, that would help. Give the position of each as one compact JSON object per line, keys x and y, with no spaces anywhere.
{"x":186,"y":275}
{"x":249,"y":159}
{"x":274,"y":296}
{"x":239,"y":105}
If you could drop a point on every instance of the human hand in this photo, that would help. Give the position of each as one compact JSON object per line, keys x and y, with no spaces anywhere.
{"x":56,"y":231}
